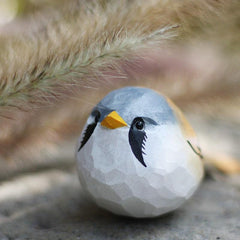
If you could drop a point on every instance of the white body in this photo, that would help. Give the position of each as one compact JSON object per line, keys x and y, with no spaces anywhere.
{"x":116,"y":181}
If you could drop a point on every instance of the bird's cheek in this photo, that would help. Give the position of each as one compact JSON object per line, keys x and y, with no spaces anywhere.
{"x":154,"y":152}
{"x":166,"y":149}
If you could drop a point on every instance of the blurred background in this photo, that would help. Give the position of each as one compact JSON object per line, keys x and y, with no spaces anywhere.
{"x":198,"y":68}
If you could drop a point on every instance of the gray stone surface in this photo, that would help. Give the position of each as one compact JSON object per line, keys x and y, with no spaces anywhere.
{"x":51,"y":205}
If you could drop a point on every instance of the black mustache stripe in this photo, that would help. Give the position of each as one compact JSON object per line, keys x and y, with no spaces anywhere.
{"x":90,"y":129}
{"x":137,"y":141}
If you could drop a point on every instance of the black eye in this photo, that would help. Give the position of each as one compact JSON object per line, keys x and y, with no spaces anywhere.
{"x":97,"y":116}
{"x":139,"y":123}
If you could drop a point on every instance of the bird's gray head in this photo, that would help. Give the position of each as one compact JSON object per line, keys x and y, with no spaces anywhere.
{"x":132,"y":102}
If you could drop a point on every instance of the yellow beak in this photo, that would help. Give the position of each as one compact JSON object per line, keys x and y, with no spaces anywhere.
{"x":113,"y":120}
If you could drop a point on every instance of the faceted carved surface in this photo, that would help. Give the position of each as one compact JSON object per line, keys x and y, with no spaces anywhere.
{"x":119,"y":183}
{"x":115,"y":179}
